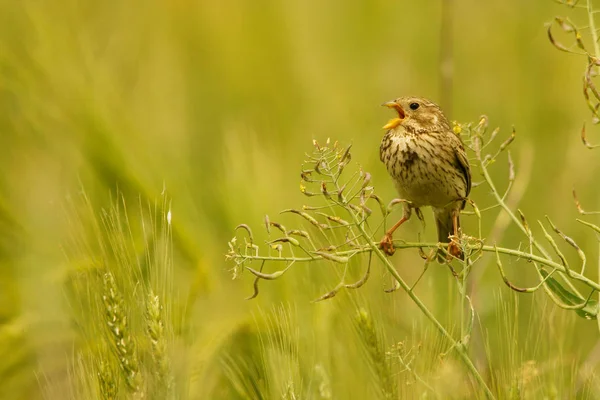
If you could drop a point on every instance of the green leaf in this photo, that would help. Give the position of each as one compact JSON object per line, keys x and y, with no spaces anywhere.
{"x":589,"y":311}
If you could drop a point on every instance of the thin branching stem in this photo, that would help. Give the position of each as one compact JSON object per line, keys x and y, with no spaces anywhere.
{"x":517,"y":221}
{"x":593,"y":30}
{"x":415,"y":245}
{"x":459,"y":347}
{"x":353,"y":195}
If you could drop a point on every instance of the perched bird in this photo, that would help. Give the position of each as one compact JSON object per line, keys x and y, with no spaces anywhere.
{"x":429,"y":166}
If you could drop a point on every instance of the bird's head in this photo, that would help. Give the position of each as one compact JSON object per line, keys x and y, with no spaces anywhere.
{"x":416,"y":114}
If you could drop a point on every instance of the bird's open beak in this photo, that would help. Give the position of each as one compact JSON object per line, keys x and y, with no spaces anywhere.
{"x":394,"y":122}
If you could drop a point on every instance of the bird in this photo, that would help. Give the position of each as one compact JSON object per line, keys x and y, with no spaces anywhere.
{"x":429,"y":166}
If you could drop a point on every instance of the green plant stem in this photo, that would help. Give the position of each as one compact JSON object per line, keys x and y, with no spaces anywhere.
{"x":593,"y":31}
{"x":458,"y":346}
{"x":415,"y":245}
{"x":445,"y":67}
{"x":502,"y":204}
{"x":518,"y":222}
{"x":598,"y":319}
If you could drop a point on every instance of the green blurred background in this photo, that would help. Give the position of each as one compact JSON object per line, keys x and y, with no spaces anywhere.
{"x":215,"y":104}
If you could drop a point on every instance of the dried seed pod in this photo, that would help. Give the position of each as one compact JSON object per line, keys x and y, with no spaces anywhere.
{"x":298,"y":232}
{"x":307,"y":217}
{"x":279,"y":226}
{"x":290,"y":240}
{"x":366,"y":180}
{"x":508,"y":141}
{"x":324,"y":191}
{"x":340,"y":194}
{"x":584,"y":139}
{"x":332,"y":257}
{"x":305,"y":175}
{"x":346,"y":157}
{"x":334,"y":218}
{"x":511,"y":168}
{"x":247,"y":229}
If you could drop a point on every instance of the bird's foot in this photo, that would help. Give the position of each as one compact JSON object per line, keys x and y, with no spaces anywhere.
{"x":387,"y":245}
{"x":454,"y":250}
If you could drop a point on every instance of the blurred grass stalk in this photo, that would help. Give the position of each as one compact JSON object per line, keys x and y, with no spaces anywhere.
{"x":122,"y":298}
{"x":209,"y":97}
{"x":446,"y":62}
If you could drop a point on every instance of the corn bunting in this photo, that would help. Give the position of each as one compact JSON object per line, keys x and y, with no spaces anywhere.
{"x":429,"y":166}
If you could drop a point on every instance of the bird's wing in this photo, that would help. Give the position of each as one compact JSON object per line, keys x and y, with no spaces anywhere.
{"x":463,"y":163}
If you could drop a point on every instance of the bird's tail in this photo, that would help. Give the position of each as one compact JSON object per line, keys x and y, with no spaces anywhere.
{"x":445,"y":229}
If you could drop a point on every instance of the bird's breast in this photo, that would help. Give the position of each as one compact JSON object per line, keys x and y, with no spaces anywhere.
{"x":422,"y":168}
{"x":399,"y":152}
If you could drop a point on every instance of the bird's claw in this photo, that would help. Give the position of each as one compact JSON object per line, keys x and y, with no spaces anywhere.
{"x":454,"y":250}
{"x":387,"y":245}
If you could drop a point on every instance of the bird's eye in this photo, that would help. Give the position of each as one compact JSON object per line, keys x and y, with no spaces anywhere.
{"x":414,"y":106}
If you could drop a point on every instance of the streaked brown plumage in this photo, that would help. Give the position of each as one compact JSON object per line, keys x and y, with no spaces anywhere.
{"x":428,"y":164}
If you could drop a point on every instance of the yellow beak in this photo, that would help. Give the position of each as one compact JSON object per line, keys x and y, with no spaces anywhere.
{"x":394,"y":122}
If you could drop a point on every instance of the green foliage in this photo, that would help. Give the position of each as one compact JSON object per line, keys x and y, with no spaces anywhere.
{"x":137,"y":135}
{"x":326,"y":236}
